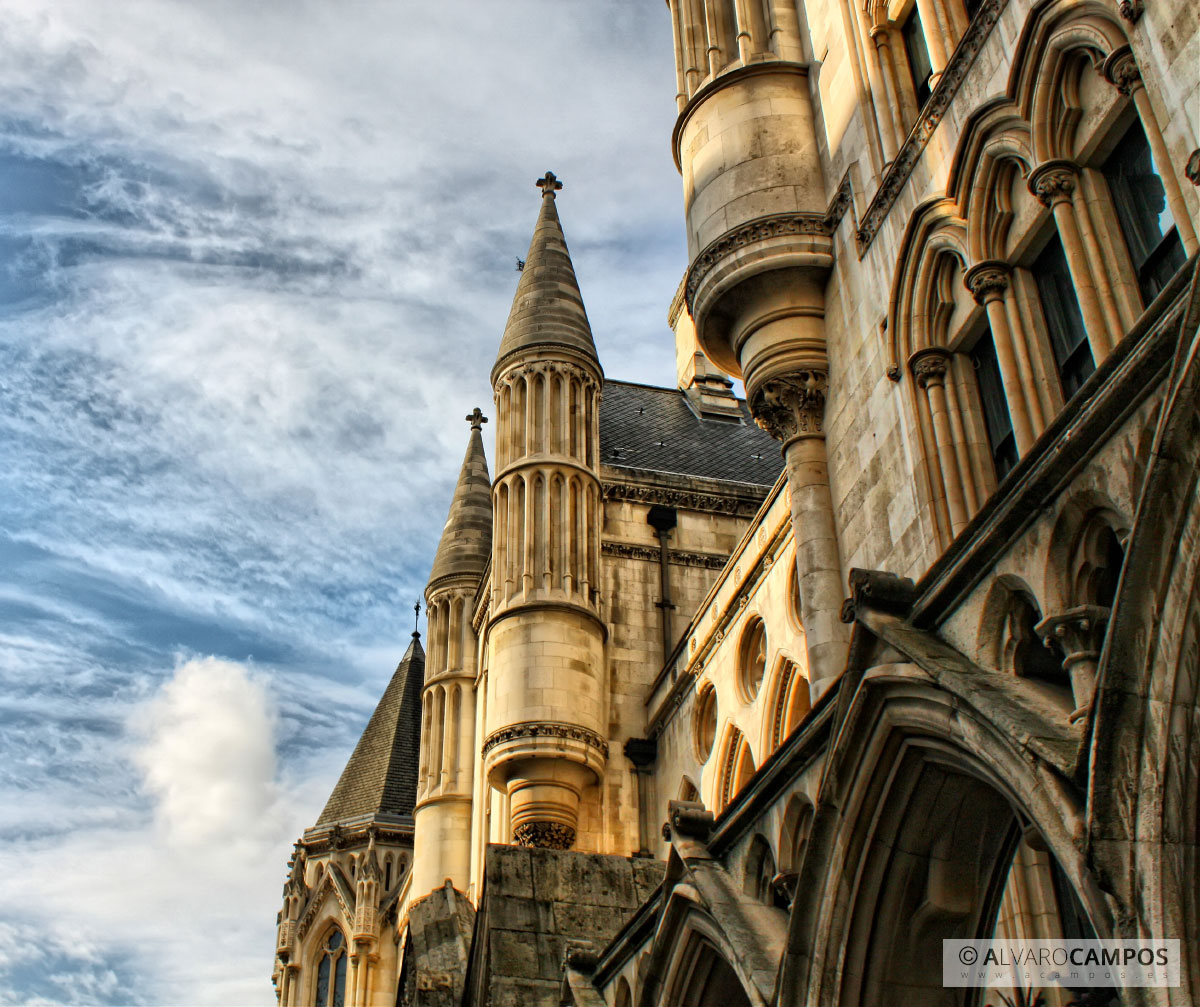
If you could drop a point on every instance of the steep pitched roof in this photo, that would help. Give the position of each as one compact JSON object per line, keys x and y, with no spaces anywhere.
{"x":654,"y":429}
{"x":467,"y":538}
{"x":381,"y":776}
{"x":547,"y":309}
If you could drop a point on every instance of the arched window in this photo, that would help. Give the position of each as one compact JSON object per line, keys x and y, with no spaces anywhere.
{"x":792,"y":702}
{"x":688,"y":790}
{"x":705,"y":726}
{"x":331,"y":971}
{"x":760,"y":872}
{"x":737,"y":766}
{"x":752,"y":659}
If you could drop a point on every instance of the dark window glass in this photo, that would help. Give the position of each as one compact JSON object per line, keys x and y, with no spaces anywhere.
{"x":1064,"y":322}
{"x":332,"y":965}
{"x":1141,"y":204}
{"x":995,"y":406}
{"x":918,"y":56}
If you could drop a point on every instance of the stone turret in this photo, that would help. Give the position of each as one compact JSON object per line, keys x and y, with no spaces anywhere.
{"x":760,"y":252}
{"x":546,"y":692}
{"x":446,"y":778}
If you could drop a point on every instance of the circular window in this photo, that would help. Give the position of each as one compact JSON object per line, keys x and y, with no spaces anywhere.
{"x":752,"y":658}
{"x":705,"y":729}
{"x":794,"y":600}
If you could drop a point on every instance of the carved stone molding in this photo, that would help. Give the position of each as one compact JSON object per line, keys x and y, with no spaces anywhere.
{"x":927,"y":122}
{"x":760,"y":229}
{"x":1054,"y":181}
{"x":545,"y":835}
{"x":792,"y":406}
{"x":929,"y":366}
{"x":704,"y":561}
{"x":545,"y":729}
{"x":987,"y":280}
{"x":689,"y":819}
{"x":1131,"y":10}
{"x":709,"y":503}
{"x":1121,"y":70}
{"x":842,"y":201}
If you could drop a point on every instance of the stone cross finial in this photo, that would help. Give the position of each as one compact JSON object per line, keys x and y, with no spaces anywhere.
{"x":476,"y":418}
{"x":549,"y":185}
{"x":416,"y":617}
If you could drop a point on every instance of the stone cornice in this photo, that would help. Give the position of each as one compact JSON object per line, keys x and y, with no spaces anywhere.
{"x":551,"y":729}
{"x":651,"y":554}
{"x":927,"y":122}
{"x":774,"y":225}
{"x":738,"y":503}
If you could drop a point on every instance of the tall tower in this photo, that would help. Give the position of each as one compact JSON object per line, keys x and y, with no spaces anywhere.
{"x":760,"y":252}
{"x":447,"y":768}
{"x":546,"y":691}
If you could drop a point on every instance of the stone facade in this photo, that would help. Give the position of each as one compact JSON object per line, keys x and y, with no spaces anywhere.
{"x":906,"y":646}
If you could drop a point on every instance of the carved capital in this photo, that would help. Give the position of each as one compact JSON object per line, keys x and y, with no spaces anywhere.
{"x":929,"y":366}
{"x":879,"y":34}
{"x":792,"y":406}
{"x":1054,"y":181}
{"x":1079,"y":631}
{"x":1121,"y":70}
{"x":1131,"y":10}
{"x":545,"y":835}
{"x":987,"y":280}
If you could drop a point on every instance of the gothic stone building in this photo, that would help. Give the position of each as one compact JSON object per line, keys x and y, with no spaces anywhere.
{"x":905,"y":646}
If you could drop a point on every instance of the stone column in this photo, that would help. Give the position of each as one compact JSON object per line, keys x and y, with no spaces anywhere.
{"x":1053,"y":183}
{"x":894,"y":135}
{"x":1121,"y":70}
{"x":929,"y":367}
{"x":792,"y":410}
{"x":1080,"y":633}
{"x":937,"y":39}
{"x":988,"y":282}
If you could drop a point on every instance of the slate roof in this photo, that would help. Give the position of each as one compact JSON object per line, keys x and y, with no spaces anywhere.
{"x":381,"y":776}
{"x":547,"y":309}
{"x":466,"y":542}
{"x":635,"y":418}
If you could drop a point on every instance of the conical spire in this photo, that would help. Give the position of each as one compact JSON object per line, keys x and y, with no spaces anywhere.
{"x":547,"y":308}
{"x":381,"y":776}
{"x":466,"y":541}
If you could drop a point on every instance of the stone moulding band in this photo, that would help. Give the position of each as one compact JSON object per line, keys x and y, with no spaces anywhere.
{"x":927,"y":121}
{"x":745,"y":505}
{"x":773,"y":225}
{"x":545,"y":729}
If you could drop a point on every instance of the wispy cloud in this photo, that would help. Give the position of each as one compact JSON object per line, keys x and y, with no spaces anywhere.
{"x":255,"y":260}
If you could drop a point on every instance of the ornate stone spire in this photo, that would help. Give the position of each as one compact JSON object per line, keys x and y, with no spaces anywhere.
{"x":547,"y":309}
{"x":466,"y":543}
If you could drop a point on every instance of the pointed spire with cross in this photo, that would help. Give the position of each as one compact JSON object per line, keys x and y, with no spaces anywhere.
{"x":549,"y":184}
{"x":476,"y":418}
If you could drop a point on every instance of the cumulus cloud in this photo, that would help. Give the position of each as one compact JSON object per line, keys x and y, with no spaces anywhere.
{"x":255,"y":260}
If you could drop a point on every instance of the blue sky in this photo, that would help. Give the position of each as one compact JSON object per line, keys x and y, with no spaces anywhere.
{"x":255,"y":261}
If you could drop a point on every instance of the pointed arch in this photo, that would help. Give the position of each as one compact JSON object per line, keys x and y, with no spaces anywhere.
{"x":790,"y":702}
{"x":736,"y":766}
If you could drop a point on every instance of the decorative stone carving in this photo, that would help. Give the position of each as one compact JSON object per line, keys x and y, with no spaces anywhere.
{"x":987,"y":280}
{"x":792,"y":406}
{"x":760,"y":229}
{"x":1121,"y":70}
{"x":929,"y":366}
{"x":1080,"y":633}
{"x":1192,"y":169}
{"x":688,"y":819}
{"x":545,"y":835}
{"x":551,"y":729}
{"x":927,"y":122}
{"x":580,"y":956}
{"x":710,"y":503}
{"x":706,"y":561}
{"x":1131,"y":10}
{"x":1054,"y":181}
